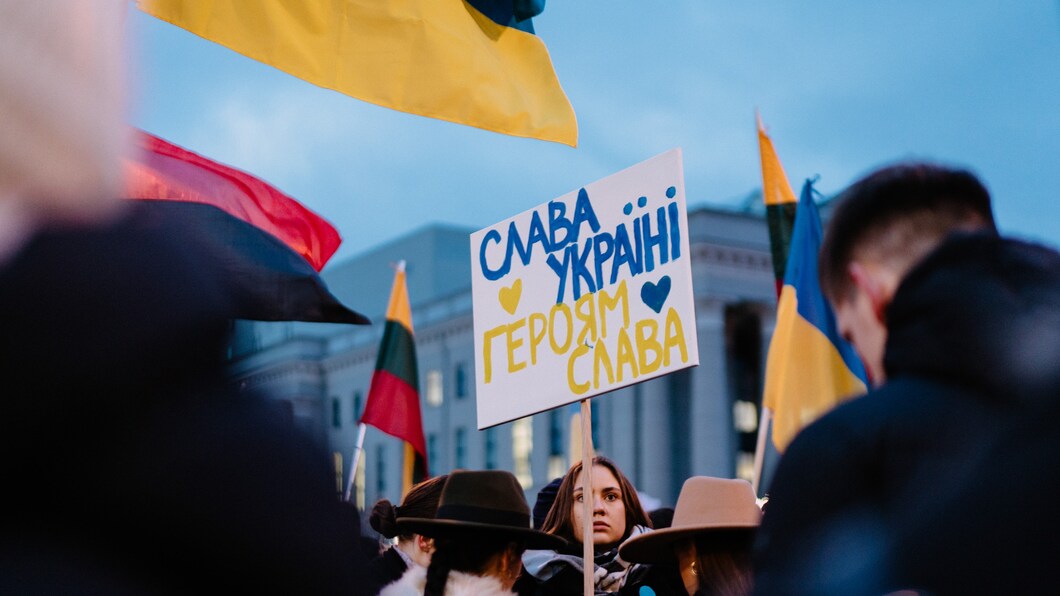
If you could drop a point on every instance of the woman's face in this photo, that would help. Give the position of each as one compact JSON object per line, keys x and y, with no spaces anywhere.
{"x":686,"y":562}
{"x":609,"y":511}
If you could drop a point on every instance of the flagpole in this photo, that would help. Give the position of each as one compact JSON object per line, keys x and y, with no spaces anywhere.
{"x":760,"y":448}
{"x":356,"y":459}
{"x":588,"y":566}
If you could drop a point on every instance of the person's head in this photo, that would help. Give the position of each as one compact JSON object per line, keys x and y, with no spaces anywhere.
{"x":616,"y":506}
{"x":710,"y":537}
{"x":420,"y":502}
{"x":481,"y":527}
{"x":882,"y":226}
{"x":662,"y":517}
{"x":545,"y":498}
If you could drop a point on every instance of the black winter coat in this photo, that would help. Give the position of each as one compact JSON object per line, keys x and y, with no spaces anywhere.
{"x":944,"y":479}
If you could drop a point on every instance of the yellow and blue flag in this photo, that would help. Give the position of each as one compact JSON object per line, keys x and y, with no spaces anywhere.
{"x":473,"y":62}
{"x":810,"y":368}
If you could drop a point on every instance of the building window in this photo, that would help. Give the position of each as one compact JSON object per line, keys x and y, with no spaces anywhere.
{"x":491,"y":448}
{"x":380,"y":470}
{"x":357,"y":399}
{"x":557,"y":465}
{"x":432,"y":453}
{"x":460,"y":445}
{"x":460,"y":378}
{"x":594,"y":419}
{"x":743,"y":361}
{"x":336,"y":413}
{"x":522,"y":446}
{"x":434,"y":388}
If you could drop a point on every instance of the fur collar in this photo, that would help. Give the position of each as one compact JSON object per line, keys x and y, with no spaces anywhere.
{"x":459,"y":584}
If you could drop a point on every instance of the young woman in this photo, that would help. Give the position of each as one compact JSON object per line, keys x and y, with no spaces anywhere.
{"x":617,"y":515}
{"x":411,"y":549}
{"x":709,"y":539}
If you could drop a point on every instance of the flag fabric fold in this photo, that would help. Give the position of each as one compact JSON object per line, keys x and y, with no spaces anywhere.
{"x":780,"y":204}
{"x":164,"y":171}
{"x":810,"y":368}
{"x":440,"y":59}
{"x":393,"y":404}
{"x":267,"y":246}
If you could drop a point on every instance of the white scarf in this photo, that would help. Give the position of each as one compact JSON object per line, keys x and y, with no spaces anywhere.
{"x":459,"y":583}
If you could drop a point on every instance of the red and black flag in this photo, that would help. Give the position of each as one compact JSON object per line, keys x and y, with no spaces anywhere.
{"x":268,"y":246}
{"x":394,"y":396}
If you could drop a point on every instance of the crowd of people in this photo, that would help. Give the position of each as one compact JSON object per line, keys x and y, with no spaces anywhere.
{"x":133,"y":467}
{"x":939,"y":481}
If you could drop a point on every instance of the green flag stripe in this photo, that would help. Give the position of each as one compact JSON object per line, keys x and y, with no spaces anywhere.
{"x":781,"y":220}
{"x":397,"y":354}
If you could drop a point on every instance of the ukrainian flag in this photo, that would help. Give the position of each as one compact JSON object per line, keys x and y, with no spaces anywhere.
{"x":474,"y":62}
{"x":810,"y":368}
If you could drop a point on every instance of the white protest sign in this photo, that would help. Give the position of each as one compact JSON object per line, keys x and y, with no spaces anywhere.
{"x":584,"y":294}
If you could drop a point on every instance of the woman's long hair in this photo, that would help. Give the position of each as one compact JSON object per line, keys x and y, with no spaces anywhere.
{"x":560,"y":518}
{"x":723,"y":562}
{"x":469,"y":552}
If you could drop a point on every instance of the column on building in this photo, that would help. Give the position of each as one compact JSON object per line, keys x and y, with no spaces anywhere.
{"x":654,"y":429}
{"x":712,"y":432}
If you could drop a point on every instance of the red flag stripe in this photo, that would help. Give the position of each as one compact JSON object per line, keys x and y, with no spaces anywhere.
{"x":395,"y":410}
{"x":163,"y":171}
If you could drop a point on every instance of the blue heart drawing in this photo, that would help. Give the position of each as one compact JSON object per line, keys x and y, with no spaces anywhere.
{"x":654,"y":295}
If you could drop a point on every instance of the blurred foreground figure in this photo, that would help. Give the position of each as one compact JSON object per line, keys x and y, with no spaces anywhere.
{"x":62,"y":128}
{"x":944,"y":478}
{"x":129,"y":465}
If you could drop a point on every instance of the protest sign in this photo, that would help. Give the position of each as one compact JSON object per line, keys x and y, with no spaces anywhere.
{"x":584,"y":294}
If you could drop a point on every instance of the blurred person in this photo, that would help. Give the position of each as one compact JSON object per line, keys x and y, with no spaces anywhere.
{"x":617,"y":515}
{"x":709,"y":539}
{"x":480,"y":530}
{"x":62,"y":114}
{"x":941,"y":479}
{"x":132,"y":465}
{"x":410,"y":549}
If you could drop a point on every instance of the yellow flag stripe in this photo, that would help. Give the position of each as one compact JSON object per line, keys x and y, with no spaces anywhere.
{"x":398,"y":310}
{"x":776,"y":189}
{"x":437,"y":58}
{"x":806,"y":376}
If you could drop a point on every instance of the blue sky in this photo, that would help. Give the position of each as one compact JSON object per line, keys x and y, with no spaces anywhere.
{"x":842,"y":86}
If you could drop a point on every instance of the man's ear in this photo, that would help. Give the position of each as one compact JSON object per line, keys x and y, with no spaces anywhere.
{"x":869,"y":281}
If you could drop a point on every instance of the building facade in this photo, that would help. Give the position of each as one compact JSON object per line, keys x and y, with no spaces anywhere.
{"x":702,"y":420}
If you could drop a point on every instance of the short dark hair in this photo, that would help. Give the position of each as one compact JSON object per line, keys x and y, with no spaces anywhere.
{"x":899,"y":213}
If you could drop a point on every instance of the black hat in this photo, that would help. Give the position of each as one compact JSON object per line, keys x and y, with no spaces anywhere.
{"x":482,"y":501}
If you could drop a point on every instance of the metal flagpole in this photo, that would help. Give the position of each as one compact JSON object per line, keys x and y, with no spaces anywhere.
{"x":760,"y":448}
{"x":356,"y":459}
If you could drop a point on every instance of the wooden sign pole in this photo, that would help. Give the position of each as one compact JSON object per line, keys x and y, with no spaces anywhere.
{"x":589,"y":567}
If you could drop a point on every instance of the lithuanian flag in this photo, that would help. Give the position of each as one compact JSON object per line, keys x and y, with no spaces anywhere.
{"x":474,"y":62}
{"x":780,"y":204}
{"x":393,"y":404}
{"x":810,"y":368}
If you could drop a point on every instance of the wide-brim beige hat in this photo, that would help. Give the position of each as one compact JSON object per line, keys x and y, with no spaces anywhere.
{"x":705,"y":504}
{"x":488,"y":501}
